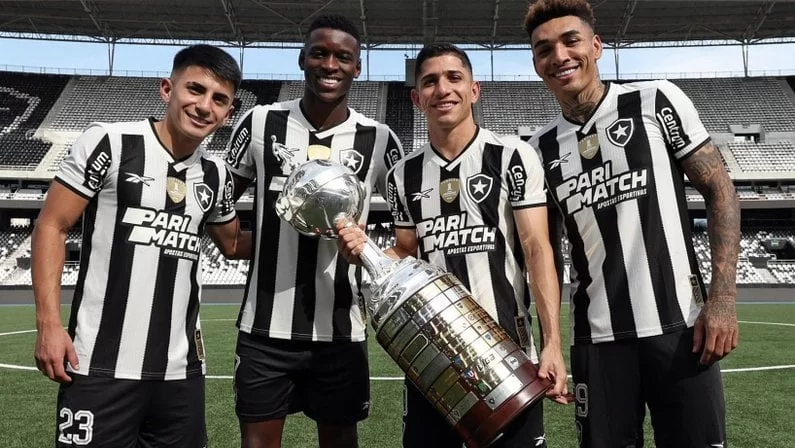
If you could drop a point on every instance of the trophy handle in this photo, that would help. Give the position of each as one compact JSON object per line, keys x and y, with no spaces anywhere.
{"x":378,"y":265}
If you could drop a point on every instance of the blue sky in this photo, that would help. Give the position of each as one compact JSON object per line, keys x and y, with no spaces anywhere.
{"x":147,"y":60}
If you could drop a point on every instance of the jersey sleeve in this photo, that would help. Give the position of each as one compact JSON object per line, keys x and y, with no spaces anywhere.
{"x":85,"y":169}
{"x":681,"y":127}
{"x":524,"y":175}
{"x":224,"y":210}
{"x":396,"y":198}
{"x":393,"y":153}
{"x":241,"y":146}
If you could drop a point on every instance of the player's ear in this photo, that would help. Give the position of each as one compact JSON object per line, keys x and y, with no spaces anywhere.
{"x":166,"y":88}
{"x":415,"y":99}
{"x":597,"y":46}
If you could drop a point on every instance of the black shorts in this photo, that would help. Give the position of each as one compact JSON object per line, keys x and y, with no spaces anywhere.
{"x":425,"y":427}
{"x":109,"y":412}
{"x":615,"y":381}
{"x":327,"y":381}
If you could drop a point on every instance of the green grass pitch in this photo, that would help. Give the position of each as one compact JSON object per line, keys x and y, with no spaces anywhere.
{"x":759,"y":401}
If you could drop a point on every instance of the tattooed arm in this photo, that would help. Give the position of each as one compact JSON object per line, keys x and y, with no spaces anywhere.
{"x":716,"y":328}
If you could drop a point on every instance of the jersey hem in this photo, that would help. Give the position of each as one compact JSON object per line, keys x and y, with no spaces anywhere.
{"x":634,"y":335}
{"x":142,"y":376}
{"x":539,"y":204}
{"x":299,"y":336}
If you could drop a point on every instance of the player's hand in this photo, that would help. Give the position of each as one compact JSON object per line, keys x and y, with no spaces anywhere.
{"x":716,"y":332}
{"x":553,"y":368}
{"x":54,"y":349}
{"x":351,"y":241}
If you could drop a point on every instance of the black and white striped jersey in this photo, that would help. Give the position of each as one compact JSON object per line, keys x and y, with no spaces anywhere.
{"x":617,"y":182}
{"x":135,"y":313}
{"x":298,"y":287}
{"x":462,"y":211}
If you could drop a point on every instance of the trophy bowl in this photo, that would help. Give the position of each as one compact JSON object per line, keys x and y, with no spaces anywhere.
{"x":448,"y":346}
{"x":317,"y":194}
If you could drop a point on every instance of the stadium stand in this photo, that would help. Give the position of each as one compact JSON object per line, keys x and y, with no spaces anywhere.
{"x":725,"y":101}
{"x":511,"y":103}
{"x":25,"y":101}
{"x":778,"y":156}
{"x":108,"y":99}
{"x":400,"y":112}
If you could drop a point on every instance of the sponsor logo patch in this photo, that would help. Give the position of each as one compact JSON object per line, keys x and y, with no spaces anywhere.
{"x":138,"y":179}
{"x":620,"y":132}
{"x":424,"y":194}
{"x":589,"y":146}
{"x":204,"y":196}
{"x":479,"y":187}
{"x":175,"y":189}
{"x":352,"y":159}
{"x":318,"y":152}
{"x":449,"y":188}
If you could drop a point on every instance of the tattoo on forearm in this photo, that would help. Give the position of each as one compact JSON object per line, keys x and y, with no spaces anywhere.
{"x":706,"y":172}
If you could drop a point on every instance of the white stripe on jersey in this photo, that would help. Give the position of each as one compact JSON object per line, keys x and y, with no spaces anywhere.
{"x":145,"y":261}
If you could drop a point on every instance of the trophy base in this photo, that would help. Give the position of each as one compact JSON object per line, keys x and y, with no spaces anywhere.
{"x":456,"y":355}
{"x":490,"y":429}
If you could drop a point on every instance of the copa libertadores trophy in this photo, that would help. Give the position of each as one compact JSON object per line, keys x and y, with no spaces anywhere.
{"x":448,"y":346}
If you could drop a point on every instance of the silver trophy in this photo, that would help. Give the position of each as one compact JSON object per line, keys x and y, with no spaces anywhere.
{"x":447,"y":345}
{"x":319,"y":193}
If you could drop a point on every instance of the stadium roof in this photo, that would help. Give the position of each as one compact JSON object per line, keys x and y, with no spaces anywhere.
{"x":397,"y":23}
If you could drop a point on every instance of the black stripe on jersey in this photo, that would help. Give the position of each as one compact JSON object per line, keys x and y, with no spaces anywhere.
{"x":89,"y":220}
{"x":681,"y":201}
{"x":159,"y":333}
{"x":364,"y":144}
{"x":489,"y":211}
{"x":343,"y":300}
{"x":412,"y":179}
{"x":396,"y":207}
{"x":660,"y":267}
{"x":548,"y":143}
{"x":212,"y":179}
{"x":670,"y":122}
{"x":305,"y":289}
{"x":97,"y":165}
{"x":133,"y":159}
{"x":276,"y":126}
{"x":614,"y":269}
{"x":516,"y":177}
{"x":238,"y":143}
{"x":393,"y":153}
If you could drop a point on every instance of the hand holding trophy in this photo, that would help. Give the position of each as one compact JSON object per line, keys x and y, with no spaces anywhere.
{"x":447,"y":345}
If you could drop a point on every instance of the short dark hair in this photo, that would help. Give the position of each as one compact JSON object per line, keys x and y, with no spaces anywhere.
{"x":440,"y":49}
{"x":543,"y":11}
{"x":335,"y":22}
{"x":212,"y":58}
